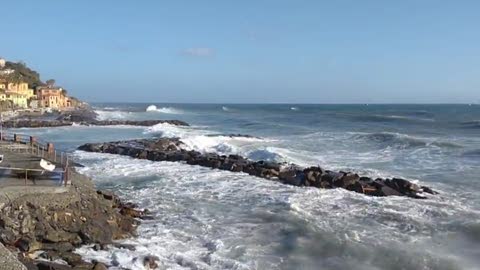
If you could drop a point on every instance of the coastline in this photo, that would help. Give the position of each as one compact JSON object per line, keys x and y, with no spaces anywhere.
{"x":43,"y":227}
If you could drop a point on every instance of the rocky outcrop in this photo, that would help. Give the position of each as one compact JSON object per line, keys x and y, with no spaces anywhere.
{"x":166,"y":149}
{"x":61,"y":123}
{"x":57,"y":223}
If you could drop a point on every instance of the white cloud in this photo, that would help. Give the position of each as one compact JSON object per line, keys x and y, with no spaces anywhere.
{"x":198,"y":52}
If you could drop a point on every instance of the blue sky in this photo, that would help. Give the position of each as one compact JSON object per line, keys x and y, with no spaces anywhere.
{"x":259,"y":51}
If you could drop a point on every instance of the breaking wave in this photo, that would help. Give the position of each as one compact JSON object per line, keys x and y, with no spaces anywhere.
{"x":166,"y":110}
{"x":112,"y":115}
{"x":205,"y":141}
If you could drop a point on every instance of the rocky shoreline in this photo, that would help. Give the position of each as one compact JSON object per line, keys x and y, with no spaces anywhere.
{"x":63,"y":123}
{"x":172,"y":149}
{"x":84,"y":117}
{"x":43,"y":229}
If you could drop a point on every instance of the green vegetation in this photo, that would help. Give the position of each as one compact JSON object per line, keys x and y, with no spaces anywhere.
{"x":23,"y":74}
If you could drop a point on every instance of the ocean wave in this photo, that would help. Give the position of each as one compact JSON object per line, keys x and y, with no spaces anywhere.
{"x":166,"y":110}
{"x":294,"y":109}
{"x":225,"y":109}
{"x":266,"y":154}
{"x":112,"y":115}
{"x":203,"y":140}
{"x":403,"y":141}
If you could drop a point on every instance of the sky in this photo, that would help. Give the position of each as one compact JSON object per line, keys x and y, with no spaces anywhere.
{"x":250,"y":51}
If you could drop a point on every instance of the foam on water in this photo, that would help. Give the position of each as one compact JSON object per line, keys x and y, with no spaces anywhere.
{"x":112,"y":115}
{"x":210,"y":219}
{"x":166,"y":110}
{"x":205,"y":141}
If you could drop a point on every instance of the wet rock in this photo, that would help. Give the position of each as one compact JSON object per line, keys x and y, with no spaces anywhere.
{"x":388,"y":191}
{"x":428,"y":190}
{"x":100,"y":266}
{"x":150,"y":262}
{"x":42,"y":265}
{"x":346,"y":180}
{"x":357,"y":187}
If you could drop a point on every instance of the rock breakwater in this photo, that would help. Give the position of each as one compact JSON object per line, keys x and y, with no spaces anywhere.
{"x":172,"y":149}
{"x":61,"y":123}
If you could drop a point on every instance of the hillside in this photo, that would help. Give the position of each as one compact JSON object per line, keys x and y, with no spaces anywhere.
{"x":23,"y":73}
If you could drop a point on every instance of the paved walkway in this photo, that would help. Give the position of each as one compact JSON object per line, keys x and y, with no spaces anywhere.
{"x":13,"y":182}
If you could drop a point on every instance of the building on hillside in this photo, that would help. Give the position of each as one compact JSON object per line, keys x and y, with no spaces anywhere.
{"x":18,"y":88}
{"x":18,"y":100}
{"x":53,"y":97}
{"x":7,"y":71}
{"x":2,"y":62}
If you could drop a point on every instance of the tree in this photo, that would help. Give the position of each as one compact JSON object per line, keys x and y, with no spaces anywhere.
{"x":50,"y":83}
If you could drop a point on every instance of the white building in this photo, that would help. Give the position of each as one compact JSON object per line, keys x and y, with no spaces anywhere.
{"x":6,"y":71}
{"x":2,"y":62}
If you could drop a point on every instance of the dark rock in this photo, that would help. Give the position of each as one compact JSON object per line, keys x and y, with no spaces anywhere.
{"x":357,"y":187}
{"x":346,"y":180}
{"x":428,"y":190}
{"x":96,"y":231}
{"x":61,"y":247}
{"x":388,"y":191}
{"x":100,"y":266}
{"x":42,"y":265}
{"x":71,"y":258}
{"x":150,"y":262}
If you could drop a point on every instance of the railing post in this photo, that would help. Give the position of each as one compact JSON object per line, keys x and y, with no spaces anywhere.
{"x":50,"y":149}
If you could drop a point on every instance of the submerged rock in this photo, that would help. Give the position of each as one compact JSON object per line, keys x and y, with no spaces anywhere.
{"x":166,"y":149}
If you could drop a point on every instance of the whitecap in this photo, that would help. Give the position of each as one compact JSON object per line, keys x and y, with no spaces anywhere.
{"x":166,"y":110}
{"x":112,"y":115}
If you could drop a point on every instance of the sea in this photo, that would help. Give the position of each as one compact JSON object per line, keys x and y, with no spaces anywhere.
{"x":211,"y":219}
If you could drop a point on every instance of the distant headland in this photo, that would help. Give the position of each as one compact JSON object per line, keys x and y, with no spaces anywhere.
{"x":22,"y":91}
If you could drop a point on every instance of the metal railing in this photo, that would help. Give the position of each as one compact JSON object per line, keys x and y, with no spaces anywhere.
{"x":32,"y":146}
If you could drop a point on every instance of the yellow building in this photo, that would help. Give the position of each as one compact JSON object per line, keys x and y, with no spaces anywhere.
{"x":21,"y":89}
{"x":18,"y":100}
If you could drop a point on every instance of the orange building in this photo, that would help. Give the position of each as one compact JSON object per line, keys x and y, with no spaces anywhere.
{"x":51,"y":98}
